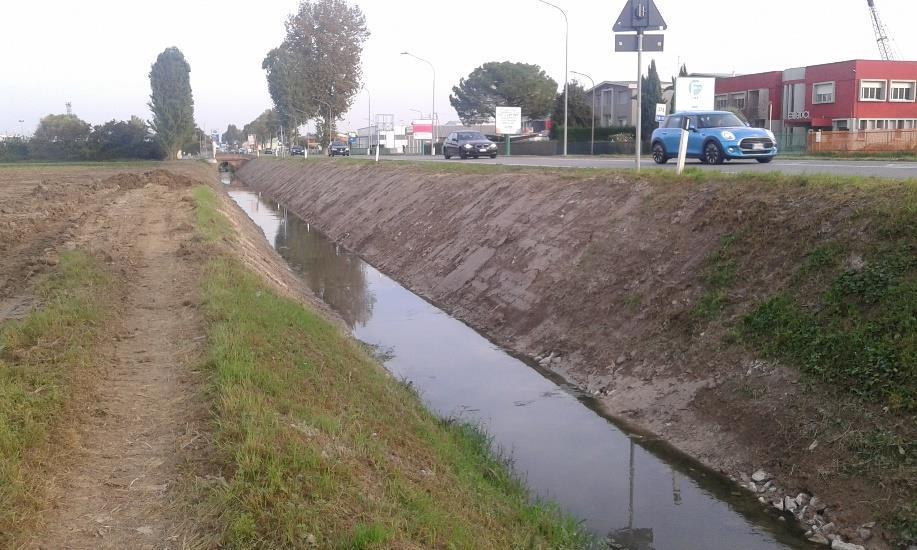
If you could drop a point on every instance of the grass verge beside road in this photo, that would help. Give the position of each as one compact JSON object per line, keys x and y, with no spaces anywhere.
{"x":44,"y":358}
{"x":322,"y":447}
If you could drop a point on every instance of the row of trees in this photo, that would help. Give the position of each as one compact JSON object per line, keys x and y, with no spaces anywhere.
{"x":68,"y":138}
{"x":476,"y":97}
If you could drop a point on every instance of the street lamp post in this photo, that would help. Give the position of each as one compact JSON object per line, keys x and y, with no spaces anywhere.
{"x":566,"y":61}
{"x":369,"y":119}
{"x":432,"y":104}
{"x":592,"y":141}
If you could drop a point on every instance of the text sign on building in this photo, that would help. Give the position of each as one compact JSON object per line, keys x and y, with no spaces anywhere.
{"x":694,"y":94}
{"x":422,"y":129}
{"x":509,"y":120}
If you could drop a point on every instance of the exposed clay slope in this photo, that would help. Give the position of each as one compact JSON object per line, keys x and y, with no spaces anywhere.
{"x":607,"y":280}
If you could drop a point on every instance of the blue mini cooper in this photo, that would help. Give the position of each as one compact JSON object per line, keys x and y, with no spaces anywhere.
{"x":713,"y":137}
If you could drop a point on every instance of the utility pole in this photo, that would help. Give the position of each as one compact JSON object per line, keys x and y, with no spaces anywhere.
{"x":433,"y":102}
{"x":566,"y":70}
{"x":592,"y":138}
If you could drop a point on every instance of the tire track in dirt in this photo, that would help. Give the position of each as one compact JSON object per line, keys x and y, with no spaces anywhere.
{"x":142,"y":431}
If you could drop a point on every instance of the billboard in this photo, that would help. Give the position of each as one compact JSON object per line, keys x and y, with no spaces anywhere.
{"x":508,"y":120}
{"x":422,"y":129}
{"x":694,"y":94}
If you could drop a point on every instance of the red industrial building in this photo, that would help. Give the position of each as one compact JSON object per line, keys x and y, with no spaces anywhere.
{"x":856,"y":95}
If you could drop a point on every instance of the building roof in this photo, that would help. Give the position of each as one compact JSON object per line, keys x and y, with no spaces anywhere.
{"x":618,"y":83}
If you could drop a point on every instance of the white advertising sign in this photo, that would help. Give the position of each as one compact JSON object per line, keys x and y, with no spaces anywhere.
{"x":694,"y":94}
{"x":661,"y":109}
{"x":509,"y":120}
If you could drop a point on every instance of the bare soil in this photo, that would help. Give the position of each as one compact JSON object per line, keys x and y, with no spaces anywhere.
{"x":140,"y":425}
{"x":598,"y":277}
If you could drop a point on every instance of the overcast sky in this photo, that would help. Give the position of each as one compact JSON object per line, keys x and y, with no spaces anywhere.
{"x":97,"y":53}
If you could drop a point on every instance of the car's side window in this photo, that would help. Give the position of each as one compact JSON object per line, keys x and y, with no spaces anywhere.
{"x":674,"y":122}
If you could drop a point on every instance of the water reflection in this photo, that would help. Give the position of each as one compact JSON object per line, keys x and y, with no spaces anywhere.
{"x":637,"y":494}
{"x":338,"y":279}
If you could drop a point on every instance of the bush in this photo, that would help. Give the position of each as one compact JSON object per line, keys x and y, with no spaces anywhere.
{"x":604,"y":133}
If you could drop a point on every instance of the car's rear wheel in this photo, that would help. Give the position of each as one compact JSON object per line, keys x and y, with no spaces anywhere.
{"x":446,"y":155}
{"x":765,"y":160}
{"x":462,"y":154}
{"x":493,"y":156}
{"x":659,"y":156}
{"x":713,"y":153}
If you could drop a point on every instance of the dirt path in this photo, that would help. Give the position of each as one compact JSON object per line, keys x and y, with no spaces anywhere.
{"x":143,"y":427}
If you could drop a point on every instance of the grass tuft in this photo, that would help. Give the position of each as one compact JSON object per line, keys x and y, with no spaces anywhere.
{"x":42,"y":358}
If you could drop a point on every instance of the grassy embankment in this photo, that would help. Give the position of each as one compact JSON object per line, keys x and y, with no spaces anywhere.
{"x":323,"y":447}
{"x":45,"y":359}
{"x":847,"y":325}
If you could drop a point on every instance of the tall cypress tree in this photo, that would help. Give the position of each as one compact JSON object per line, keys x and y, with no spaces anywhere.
{"x":652,"y":94}
{"x":682,"y":72}
{"x":171,"y":101}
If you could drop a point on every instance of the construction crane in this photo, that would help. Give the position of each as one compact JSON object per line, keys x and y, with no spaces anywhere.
{"x":885,"y":45}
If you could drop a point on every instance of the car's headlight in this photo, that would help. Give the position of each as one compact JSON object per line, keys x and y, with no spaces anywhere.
{"x":728,"y":136}
{"x":492,"y":146}
{"x":467,"y":146}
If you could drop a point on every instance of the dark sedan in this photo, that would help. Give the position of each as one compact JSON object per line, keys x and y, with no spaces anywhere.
{"x":338,"y":149}
{"x":469,"y":144}
{"x":297,"y":151}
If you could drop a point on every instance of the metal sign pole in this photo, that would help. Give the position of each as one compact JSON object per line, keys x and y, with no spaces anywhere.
{"x":639,"y":96}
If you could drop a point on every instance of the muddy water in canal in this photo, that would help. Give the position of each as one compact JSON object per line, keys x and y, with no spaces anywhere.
{"x":638,"y":492}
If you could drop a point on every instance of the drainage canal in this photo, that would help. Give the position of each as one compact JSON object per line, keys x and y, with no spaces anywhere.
{"x":638,"y":492}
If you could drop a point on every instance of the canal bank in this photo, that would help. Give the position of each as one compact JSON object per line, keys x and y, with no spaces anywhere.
{"x":613,"y":283}
{"x":633,"y":491}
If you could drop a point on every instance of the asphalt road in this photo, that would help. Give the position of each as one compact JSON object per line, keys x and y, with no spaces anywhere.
{"x":883,"y":169}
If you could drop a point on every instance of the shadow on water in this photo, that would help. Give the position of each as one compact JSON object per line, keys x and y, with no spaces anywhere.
{"x":639,"y":491}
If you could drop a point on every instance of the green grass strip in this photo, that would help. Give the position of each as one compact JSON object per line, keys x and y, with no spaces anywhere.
{"x":321,"y":446}
{"x":42,"y":358}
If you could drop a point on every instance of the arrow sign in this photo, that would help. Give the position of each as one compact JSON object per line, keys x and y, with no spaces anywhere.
{"x":639,"y":15}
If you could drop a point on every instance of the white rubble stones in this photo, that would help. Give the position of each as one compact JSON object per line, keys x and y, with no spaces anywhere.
{"x":837,"y":544}
{"x":789,"y":504}
{"x":819,"y":539}
{"x":760,"y":476}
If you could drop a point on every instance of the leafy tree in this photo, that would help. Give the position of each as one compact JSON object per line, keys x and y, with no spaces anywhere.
{"x":316,"y":69}
{"x":263,"y":127}
{"x":579,"y":108}
{"x":171,"y":101}
{"x":233,"y":135}
{"x":504,"y":83}
{"x":652,"y":94}
{"x":683,"y":71}
{"x":287,"y":85}
{"x":124,"y":140}
{"x":68,"y":128}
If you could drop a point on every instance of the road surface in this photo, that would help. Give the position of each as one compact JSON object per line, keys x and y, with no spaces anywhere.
{"x":883,"y":169}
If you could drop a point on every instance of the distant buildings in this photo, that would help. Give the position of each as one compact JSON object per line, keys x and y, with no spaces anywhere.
{"x":856,"y":95}
{"x":615,"y":103}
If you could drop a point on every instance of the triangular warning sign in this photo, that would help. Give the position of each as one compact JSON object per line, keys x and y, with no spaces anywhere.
{"x":640,"y":15}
